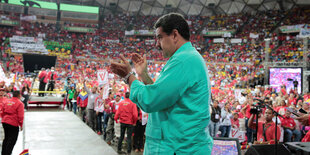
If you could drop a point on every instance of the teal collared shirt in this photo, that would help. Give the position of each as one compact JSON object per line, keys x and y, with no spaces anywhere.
{"x":178,"y":106}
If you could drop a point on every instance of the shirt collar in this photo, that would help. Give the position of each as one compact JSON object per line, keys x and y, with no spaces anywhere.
{"x":182,"y":48}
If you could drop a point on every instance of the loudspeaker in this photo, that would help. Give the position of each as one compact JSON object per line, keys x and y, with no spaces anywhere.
{"x":267,"y":150}
{"x":299,"y":148}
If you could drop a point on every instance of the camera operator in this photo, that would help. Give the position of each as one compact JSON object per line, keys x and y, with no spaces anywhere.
{"x":266,"y":129}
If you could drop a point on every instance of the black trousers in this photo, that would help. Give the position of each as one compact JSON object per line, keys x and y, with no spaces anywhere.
{"x":26,"y":101}
{"x":51,"y":86}
{"x":83,"y":113}
{"x":69,"y":105}
{"x":129,"y":134}
{"x":138,"y":137}
{"x":42,"y":88}
{"x":10,"y":138}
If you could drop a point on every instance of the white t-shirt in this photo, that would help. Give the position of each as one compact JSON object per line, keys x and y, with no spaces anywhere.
{"x":144,"y":117}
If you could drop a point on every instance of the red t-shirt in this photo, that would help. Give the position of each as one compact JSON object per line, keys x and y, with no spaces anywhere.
{"x":267,"y":92}
{"x":247,"y":112}
{"x":281,"y":110}
{"x":292,"y":101}
{"x":283,"y":91}
{"x":235,"y":122}
{"x":288,"y":122}
{"x":306,"y":138}
{"x":13,"y":112}
{"x":269,"y":131}
{"x":240,"y":115}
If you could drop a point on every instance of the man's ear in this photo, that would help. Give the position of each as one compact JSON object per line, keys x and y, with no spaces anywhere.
{"x":175,"y":34}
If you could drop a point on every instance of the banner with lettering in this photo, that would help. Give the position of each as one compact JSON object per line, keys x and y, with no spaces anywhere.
{"x":28,"y":45}
{"x":236,"y":133}
{"x":103,"y":79}
{"x":304,"y":33}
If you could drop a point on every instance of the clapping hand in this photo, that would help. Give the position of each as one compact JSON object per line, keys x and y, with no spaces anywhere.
{"x":140,"y":63}
{"x":121,"y":69}
{"x":304,"y":119}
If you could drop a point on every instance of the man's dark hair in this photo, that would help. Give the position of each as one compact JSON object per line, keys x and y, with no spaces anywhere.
{"x":16,"y":93}
{"x":172,"y":21}
{"x":127,"y":95}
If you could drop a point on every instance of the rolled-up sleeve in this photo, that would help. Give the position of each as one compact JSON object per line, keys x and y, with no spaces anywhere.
{"x":164,"y":93}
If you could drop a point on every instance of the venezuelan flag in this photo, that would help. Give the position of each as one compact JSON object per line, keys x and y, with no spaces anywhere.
{"x":83,"y":95}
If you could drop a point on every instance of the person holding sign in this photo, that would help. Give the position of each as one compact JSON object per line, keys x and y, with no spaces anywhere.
{"x":178,"y":101}
{"x":92,"y":95}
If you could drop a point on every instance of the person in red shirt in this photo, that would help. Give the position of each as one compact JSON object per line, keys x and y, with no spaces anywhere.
{"x":139,"y":130}
{"x":107,"y":113}
{"x":282,"y":108}
{"x":2,"y":98}
{"x":266,"y":130}
{"x":235,"y":121}
{"x":12,"y":118}
{"x":113,"y":105}
{"x":82,"y":101}
{"x":292,"y":100}
{"x":51,"y":77}
{"x":289,"y":126}
{"x":42,"y":77}
{"x":127,"y":113}
{"x":283,"y":90}
{"x":246,"y":112}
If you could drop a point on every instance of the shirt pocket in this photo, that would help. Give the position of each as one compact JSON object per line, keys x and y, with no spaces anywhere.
{"x":153,"y":132}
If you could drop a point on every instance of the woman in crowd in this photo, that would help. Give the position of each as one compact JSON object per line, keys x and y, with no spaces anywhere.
{"x":225,"y":120}
{"x":215,"y":118}
{"x":26,"y":93}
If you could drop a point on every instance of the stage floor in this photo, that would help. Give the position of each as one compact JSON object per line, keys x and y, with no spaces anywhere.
{"x":61,"y":133}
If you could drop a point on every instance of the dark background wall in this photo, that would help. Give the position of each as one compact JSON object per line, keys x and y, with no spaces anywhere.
{"x":34,"y":62}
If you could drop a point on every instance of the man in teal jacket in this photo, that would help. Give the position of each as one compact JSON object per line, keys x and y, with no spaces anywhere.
{"x":178,"y":101}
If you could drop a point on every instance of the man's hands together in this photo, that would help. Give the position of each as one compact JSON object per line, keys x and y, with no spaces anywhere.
{"x":123,"y":68}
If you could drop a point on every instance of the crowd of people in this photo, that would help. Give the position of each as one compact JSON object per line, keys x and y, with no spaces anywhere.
{"x":95,"y":45}
{"x":225,"y":112}
{"x":111,"y":117}
{"x":232,"y":67}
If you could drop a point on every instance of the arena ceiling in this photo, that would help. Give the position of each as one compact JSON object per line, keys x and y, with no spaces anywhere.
{"x":197,"y":7}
